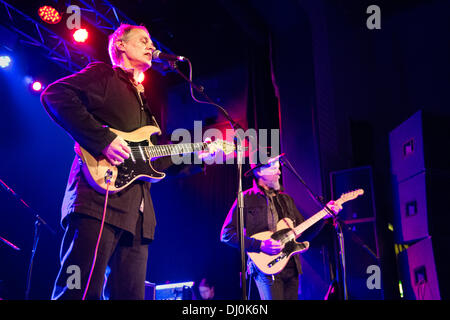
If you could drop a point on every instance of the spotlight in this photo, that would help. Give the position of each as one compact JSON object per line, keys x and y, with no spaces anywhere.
{"x":32,"y":84}
{"x":5,"y":61}
{"x":37,"y":86}
{"x":49,"y":14}
{"x":80,"y":35}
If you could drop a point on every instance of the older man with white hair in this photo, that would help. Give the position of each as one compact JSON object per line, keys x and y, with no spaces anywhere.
{"x":86,"y":104}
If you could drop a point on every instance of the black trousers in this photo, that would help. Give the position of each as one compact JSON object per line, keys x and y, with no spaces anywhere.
{"x":125,"y":255}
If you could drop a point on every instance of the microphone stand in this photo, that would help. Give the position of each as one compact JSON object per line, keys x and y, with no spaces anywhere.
{"x":338,"y":225}
{"x":10,"y":244}
{"x":38,"y":223}
{"x":240,"y":156}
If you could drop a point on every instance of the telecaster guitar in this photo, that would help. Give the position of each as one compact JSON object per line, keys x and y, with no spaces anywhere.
{"x":139,"y":165}
{"x":287,"y":234}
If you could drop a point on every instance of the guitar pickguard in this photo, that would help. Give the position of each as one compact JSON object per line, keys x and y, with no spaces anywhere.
{"x":135,"y":166}
{"x":290,"y":247}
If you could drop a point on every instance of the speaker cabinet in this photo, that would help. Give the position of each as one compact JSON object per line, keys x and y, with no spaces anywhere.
{"x":360,"y":238}
{"x":420,"y":143}
{"x":361,"y":209}
{"x":149,"y":291}
{"x":421,"y":206}
{"x":423,"y":269}
{"x":363,"y":268}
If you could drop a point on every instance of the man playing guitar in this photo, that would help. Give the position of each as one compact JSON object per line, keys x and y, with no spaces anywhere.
{"x":265,"y":206}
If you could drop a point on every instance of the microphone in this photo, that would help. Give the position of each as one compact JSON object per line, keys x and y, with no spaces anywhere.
{"x":157,"y":54}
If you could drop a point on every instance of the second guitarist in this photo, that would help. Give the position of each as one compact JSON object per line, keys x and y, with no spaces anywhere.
{"x":264,"y":205}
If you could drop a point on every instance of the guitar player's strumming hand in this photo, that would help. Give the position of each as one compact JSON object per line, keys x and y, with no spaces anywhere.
{"x":208,"y":155}
{"x":271,"y":246}
{"x":117,"y":151}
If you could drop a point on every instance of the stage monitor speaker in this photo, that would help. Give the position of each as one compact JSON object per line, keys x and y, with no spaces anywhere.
{"x":363,"y":268}
{"x":421,"y":209}
{"x":149,"y":291}
{"x":361,"y":209}
{"x":361,"y":243}
{"x":423,"y":269}
{"x":174,"y":291}
{"x":420,"y":143}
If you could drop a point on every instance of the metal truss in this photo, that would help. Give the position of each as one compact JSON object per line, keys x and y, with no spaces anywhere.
{"x":34,"y":34}
{"x":106,"y":17}
{"x":101,"y":14}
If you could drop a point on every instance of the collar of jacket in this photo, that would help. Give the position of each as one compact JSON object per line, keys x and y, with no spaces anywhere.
{"x":257,"y":189}
{"x":127,"y":75}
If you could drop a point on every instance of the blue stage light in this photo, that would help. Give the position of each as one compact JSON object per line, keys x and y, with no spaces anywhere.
{"x":5,"y":61}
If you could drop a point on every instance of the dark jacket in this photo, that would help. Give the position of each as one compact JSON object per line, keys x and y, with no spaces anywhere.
{"x":255,"y":219}
{"x":85,"y":104}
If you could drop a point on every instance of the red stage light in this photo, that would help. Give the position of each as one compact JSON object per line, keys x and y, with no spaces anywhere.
{"x":37,"y":86}
{"x":80,"y":35}
{"x":49,"y":14}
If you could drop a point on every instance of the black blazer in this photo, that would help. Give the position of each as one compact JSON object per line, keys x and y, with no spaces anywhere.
{"x":85,"y":104}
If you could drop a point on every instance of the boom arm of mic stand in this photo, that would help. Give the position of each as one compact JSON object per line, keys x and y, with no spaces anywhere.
{"x":36,"y":216}
{"x":200,"y":89}
{"x":38,"y":222}
{"x":358,"y":240}
{"x":335,"y":217}
{"x":317,"y":199}
{"x":240,"y":197}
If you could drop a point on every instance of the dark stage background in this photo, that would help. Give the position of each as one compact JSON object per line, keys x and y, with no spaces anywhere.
{"x":312,"y":69}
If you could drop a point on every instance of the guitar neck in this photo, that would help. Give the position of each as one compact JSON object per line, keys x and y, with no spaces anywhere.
{"x":317,"y":217}
{"x":309,"y":222}
{"x":174,"y":149}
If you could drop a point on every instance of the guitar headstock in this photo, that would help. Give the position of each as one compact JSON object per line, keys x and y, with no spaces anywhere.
{"x":350,"y":195}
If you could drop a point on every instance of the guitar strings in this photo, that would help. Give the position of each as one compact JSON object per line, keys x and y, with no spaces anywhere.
{"x":151,"y":152}
{"x":156,"y":151}
{"x":168,"y":147}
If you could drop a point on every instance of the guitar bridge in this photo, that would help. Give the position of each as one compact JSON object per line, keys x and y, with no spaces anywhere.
{"x":278,"y":259}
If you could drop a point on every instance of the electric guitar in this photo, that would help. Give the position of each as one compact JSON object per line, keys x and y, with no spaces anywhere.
{"x":287,"y":234}
{"x":139,"y":165}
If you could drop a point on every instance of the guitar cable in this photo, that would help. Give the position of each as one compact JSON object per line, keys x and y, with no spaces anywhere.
{"x":108,"y":176}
